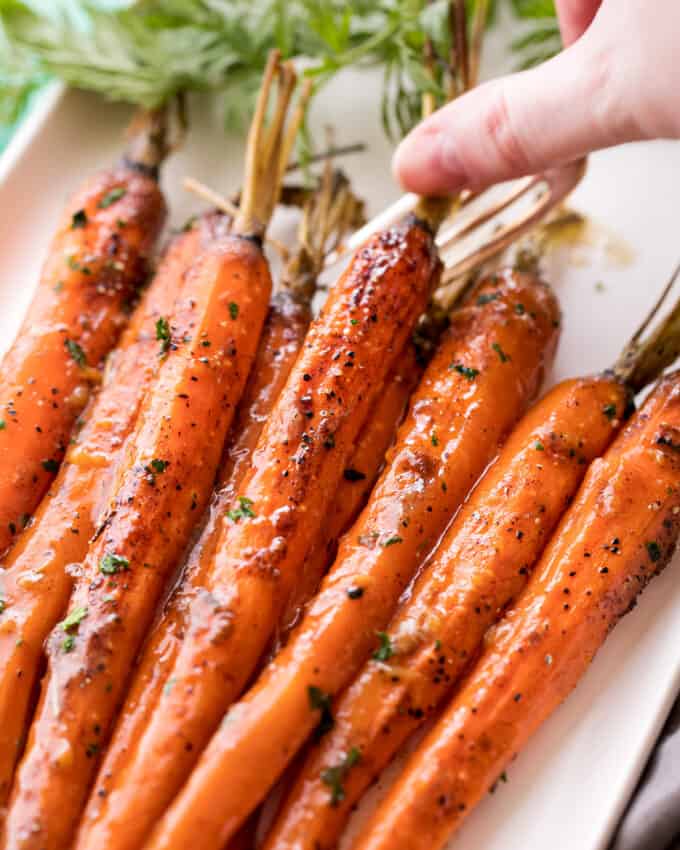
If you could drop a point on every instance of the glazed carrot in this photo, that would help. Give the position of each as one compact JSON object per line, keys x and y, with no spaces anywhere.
{"x":619,"y":533}
{"x":481,"y":564}
{"x":163,"y":483}
{"x":359,"y":477}
{"x":35,"y":580}
{"x":487,"y":367}
{"x":95,"y":264}
{"x":125,"y":803}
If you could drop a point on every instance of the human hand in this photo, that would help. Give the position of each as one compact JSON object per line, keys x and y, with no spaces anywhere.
{"x":618,"y":80}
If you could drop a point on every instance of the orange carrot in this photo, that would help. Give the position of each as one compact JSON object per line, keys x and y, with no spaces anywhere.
{"x":300,"y":458}
{"x":161,"y":487}
{"x":367,"y":459}
{"x":481,"y":564}
{"x":107,"y":817}
{"x":486,"y":369}
{"x":619,"y":533}
{"x":35,"y":581}
{"x":95,"y":264}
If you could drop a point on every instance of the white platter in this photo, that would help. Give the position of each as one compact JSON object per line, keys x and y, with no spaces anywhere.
{"x":567,"y":789}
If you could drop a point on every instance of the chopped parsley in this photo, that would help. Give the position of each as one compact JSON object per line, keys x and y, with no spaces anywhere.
{"x":71,"y":622}
{"x":520,"y":309}
{"x":609,"y":411}
{"x":3,"y":605}
{"x":434,"y":439}
{"x":385,"y":651}
{"x":502,"y":356}
{"x":77,"y":266}
{"x":653,"y":550}
{"x":354,"y":321}
{"x":334,"y":776}
{"x":68,"y":643}
{"x":111,"y":197}
{"x":487,"y":298}
{"x":111,"y":564}
{"x":321,"y":701}
{"x":76,"y":352}
{"x":3,"y":424}
{"x":233,"y":309}
{"x":50,"y":465}
{"x":159,"y":465}
{"x":465,"y":371}
{"x":163,"y":333}
{"x":538,"y":445}
{"x":245,"y":509}
{"x":78,"y":219}
{"x":391,"y":541}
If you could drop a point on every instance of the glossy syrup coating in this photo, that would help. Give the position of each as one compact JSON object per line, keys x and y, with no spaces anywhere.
{"x":620,"y":532}
{"x":300,"y":459}
{"x":481,"y":564}
{"x":94,"y":266}
{"x":37,"y":575}
{"x":126,"y":781}
{"x":487,"y":368}
{"x":162,"y":485}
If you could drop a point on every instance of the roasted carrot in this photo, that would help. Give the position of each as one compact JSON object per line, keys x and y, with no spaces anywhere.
{"x":36,"y":579}
{"x":480,"y":566}
{"x":619,"y":533}
{"x":127,"y":781}
{"x":359,"y":477}
{"x":163,"y":483}
{"x":487,"y":367}
{"x":94,"y":266}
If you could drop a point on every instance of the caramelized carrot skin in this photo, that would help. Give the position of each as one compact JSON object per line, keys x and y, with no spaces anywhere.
{"x":37,"y":576}
{"x":481,"y":564}
{"x":620,"y":531}
{"x":162,"y":484}
{"x":299,"y":461}
{"x":95,"y":264}
{"x":124,"y":783}
{"x":375,"y":438}
{"x":455,"y":422}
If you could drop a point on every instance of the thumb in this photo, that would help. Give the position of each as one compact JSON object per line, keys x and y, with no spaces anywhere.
{"x":519,"y":125}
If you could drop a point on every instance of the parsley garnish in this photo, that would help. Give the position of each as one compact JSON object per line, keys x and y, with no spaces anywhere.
{"x":76,"y":352}
{"x":609,"y":411}
{"x":68,"y":643}
{"x":233,"y":309}
{"x":334,"y":776}
{"x":73,"y":620}
{"x":465,"y":371}
{"x":111,"y":197}
{"x":434,"y":439}
{"x":321,"y":701}
{"x":392,"y":540}
{"x":50,"y":465}
{"x":3,"y":424}
{"x":502,"y":356}
{"x":111,"y":564}
{"x":385,"y":651}
{"x":520,"y":309}
{"x":653,"y":550}
{"x":538,"y":445}
{"x":163,"y":333}
{"x":487,"y":298}
{"x":244,"y":510}
{"x":159,"y":465}
{"x":79,"y":219}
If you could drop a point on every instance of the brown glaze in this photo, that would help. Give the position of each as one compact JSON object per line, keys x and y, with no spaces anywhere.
{"x":162,"y":484}
{"x":95,"y":264}
{"x":619,"y":533}
{"x":37,"y":575}
{"x":124,"y":802}
{"x":455,"y":422}
{"x":480,"y":566}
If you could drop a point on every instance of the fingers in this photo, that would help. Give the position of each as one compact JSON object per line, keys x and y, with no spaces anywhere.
{"x":575,"y":17}
{"x":518,"y":125}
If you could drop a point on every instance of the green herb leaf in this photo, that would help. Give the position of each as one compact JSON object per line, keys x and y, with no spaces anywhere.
{"x":502,"y":356}
{"x":465,"y":371}
{"x":79,"y":219}
{"x":163,"y":333}
{"x":321,"y":701}
{"x":245,"y":509}
{"x":233,"y":309}
{"x":654,"y":551}
{"x":334,"y":777}
{"x":76,"y":352}
{"x":73,"y":620}
{"x":385,"y":651}
{"x":111,"y":197}
{"x":111,"y":564}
